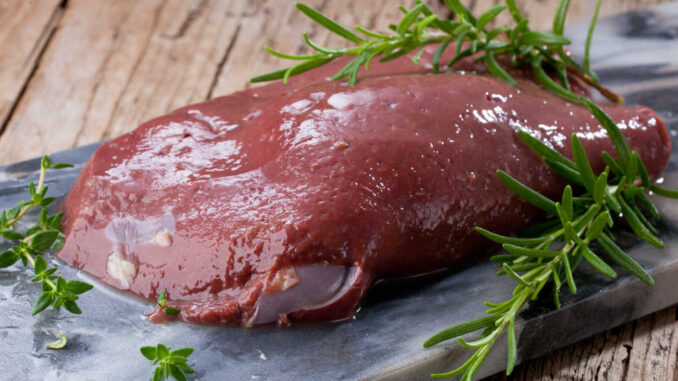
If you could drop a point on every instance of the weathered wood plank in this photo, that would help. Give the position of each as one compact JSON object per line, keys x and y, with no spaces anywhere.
{"x":113,"y":65}
{"x":264,"y":22}
{"x":646,"y":349}
{"x":179,"y":63}
{"x":25,"y":29}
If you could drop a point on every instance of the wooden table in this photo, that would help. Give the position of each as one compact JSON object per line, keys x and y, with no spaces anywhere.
{"x":74,"y":72}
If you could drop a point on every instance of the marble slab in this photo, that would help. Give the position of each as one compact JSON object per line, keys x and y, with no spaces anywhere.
{"x":636,"y":54}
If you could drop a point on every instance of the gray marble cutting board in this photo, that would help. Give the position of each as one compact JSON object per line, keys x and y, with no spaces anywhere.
{"x":636,"y":54}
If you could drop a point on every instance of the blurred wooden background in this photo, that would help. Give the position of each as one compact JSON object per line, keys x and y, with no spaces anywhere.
{"x":78,"y":71}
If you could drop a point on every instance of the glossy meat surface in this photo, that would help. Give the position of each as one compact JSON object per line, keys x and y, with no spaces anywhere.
{"x":284,"y":203}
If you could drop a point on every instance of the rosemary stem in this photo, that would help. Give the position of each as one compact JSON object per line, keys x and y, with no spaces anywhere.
{"x":605,"y":91}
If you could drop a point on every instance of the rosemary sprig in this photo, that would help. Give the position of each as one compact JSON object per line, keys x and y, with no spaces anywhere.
{"x":551,"y":256}
{"x":169,"y":363}
{"x":469,"y":36}
{"x":548,"y":253}
{"x":30,"y":246}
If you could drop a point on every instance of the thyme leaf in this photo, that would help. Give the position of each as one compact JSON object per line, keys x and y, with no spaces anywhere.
{"x":60,"y":343}
{"x":162,"y":301}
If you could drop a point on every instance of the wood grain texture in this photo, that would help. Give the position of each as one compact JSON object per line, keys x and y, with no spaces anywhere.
{"x":78,"y":71}
{"x":25,"y":29}
{"x":645,"y":349}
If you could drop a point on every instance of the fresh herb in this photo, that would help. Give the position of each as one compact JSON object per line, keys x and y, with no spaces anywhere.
{"x":30,"y":246}
{"x":162,"y":301}
{"x":470,"y":37}
{"x":60,"y":343}
{"x":554,"y":249}
{"x":169,"y":363}
{"x":552,"y":255}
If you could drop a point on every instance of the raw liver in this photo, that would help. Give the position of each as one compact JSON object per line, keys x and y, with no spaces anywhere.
{"x":286,"y":202}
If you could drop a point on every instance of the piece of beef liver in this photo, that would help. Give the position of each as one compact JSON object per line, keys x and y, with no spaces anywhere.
{"x":286,"y":202}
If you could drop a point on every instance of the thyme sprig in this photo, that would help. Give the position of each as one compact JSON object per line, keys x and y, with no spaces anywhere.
{"x":30,"y":246}
{"x":169,"y":363}
{"x":550,"y":252}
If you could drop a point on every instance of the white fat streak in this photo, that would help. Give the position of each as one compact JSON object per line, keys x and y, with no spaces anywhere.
{"x":163,"y":238}
{"x":120,"y":269}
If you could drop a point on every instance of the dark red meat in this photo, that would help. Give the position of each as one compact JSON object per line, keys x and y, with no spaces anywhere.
{"x":285,"y":202}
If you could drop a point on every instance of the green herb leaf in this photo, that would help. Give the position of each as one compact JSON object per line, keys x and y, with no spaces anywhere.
{"x":544,"y":151}
{"x":163,"y":351}
{"x":583,"y":165}
{"x":612,"y":129}
{"x":435,"y":61}
{"x":42,"y":302}
{"x":638,"y":227}
{"x":72,"y":307}
{"x":663,"y":191}
{"x":149,"y":352}
{"x":567,"y":202}
{"x":515,"y":12}
{"x":568,"y":275}
{"x":600,"y":187}
{"x":589,"y":36}
{"x":510,"y":240}
{"x":177,"y":373}
{"x":169,"y":363}
{"x":77,"y":287}
{"x":622,"y":259}
{"x":527,"y":193}
{"x":11,"y":235}
{"x":459,"y":330}
{"x":409,"y":18}
{"x":559,"y":18}
{"x":489,"y":15}
{"x":8,"y":258}
{"x":43,"y":241}
{"x":543,"y":38}
{"x":182,"y":352}
{"x":529,"y":252}
{"x":597,"y":262}
{"x":597,"y":226}
{"x":298,"y":69}
{"x":291,"y":56}
{"x":512,"y":347}
{"x":497,"y":70}
{"x":60,"y":343}
{"x":460,"y":11}
{"x":328,"y":23}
